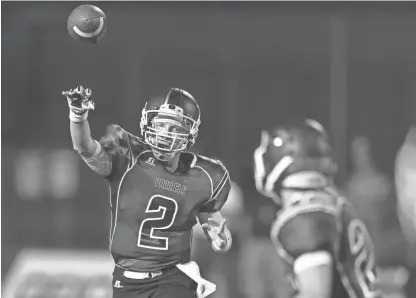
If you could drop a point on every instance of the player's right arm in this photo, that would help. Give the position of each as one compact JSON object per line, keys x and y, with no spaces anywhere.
{"x":305,"y":237}
{"x":93,"y":153}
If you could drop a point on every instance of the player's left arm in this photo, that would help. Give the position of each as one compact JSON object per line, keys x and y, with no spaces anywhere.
{"x":209,"y":216}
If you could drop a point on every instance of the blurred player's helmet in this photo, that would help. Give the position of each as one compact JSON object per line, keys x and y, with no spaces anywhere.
{"x":300,"y":148}
{"x":170,"y":124}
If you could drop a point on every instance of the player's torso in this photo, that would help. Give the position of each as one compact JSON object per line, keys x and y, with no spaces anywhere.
{"x":153,"y":215}
{"x":330,"y":223}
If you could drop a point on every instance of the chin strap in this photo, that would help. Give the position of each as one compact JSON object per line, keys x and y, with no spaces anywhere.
{"x":163,"y":156}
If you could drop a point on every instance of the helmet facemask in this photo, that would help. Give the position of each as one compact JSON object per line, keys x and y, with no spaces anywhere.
{"x":168,"y":131}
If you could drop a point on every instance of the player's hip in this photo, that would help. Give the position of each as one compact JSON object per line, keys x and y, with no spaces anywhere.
{"x":146,"y":262}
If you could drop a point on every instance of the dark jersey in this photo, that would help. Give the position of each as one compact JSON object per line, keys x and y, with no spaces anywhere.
{"x":323,"y":221}
{"x":154,"y":210}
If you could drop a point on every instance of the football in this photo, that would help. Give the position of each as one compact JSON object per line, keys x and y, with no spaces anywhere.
{"x":87,"y":23}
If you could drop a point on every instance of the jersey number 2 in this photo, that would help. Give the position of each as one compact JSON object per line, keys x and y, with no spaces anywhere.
{"x":164,"y":210}
{"x":361,"y":249}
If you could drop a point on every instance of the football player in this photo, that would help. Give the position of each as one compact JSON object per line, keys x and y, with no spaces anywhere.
{"x":326,"y":247}
{"x":158,"y":190}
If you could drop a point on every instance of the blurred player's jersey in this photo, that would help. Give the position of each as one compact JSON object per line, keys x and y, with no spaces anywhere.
{"x":154,"y":210}
{"x":322,"y":220}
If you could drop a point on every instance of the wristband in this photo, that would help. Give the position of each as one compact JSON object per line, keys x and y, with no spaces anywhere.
{"x":77,"y":118}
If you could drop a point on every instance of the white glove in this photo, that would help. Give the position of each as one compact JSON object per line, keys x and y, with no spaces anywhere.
{"x":215,"y":229}
{"x":79,"y":102}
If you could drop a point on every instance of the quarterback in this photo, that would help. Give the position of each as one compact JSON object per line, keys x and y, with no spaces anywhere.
{"x":326,"y":248}
{"x":158,"y":191}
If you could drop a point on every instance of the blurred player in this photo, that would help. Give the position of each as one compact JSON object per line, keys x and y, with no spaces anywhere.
{"x":326,"y":247}
{"x":158,"y":189}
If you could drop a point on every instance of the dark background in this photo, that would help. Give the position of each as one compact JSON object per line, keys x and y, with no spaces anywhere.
{"x":351,"y":66}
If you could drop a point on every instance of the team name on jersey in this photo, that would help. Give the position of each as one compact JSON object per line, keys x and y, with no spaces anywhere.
{"x":170,"y":186}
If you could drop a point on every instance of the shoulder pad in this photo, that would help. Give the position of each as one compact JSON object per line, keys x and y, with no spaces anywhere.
{"x":304,"y":229}
{"x":215,"y":170}
{"x":112,"y":137}
{"x":118,"y":141}
{"x":219,"y":178}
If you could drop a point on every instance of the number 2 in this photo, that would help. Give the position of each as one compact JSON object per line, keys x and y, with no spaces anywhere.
{"x":361,"y":248}
{"x":166,"y":209}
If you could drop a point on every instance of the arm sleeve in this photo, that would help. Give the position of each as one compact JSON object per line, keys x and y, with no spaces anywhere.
{"x":221,"y":189}
{"x":100,"y":162}
{"x":113,"y":154}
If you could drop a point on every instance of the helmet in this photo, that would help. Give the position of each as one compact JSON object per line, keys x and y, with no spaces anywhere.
{"x":300,"y":148}
{"x":170,"y":124}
